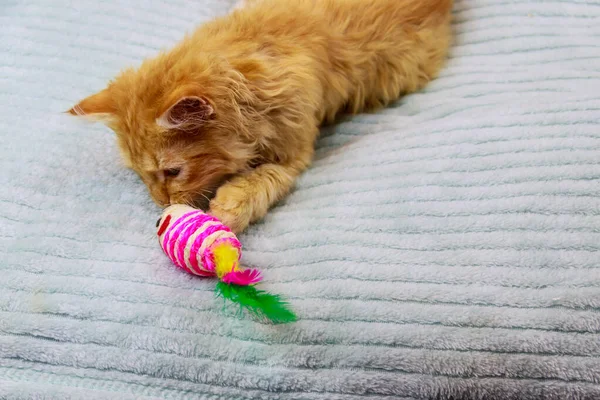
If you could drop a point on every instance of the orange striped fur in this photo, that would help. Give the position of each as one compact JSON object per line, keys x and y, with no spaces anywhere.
{"x":236,"y":106}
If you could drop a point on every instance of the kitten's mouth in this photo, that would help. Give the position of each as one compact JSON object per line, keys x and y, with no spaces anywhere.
{"x":201,"y":203}
{"x":202,"y":199}
{"x":198,"y":201}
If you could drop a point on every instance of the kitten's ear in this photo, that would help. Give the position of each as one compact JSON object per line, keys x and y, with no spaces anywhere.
{"x":188,"y":112}
{"x":99,"y":106}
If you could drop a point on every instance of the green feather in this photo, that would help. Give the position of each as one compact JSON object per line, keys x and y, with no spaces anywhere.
{"x":258,"y":302}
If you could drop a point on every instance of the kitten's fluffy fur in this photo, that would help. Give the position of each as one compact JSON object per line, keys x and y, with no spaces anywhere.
{"x":236,"y":106}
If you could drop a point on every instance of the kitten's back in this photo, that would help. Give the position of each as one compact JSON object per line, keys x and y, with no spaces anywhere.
{"x":361,"y":54}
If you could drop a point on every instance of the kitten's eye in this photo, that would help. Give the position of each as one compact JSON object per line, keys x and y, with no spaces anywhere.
{"x":172,"y":172}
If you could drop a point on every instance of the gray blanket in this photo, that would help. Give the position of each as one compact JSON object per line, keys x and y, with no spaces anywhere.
{"x":444,"y":248}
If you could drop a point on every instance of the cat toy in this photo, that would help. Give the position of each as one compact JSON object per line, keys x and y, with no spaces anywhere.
{"x":201,"y":245}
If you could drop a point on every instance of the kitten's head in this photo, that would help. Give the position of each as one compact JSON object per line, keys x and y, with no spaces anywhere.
{"x":179,"y":125}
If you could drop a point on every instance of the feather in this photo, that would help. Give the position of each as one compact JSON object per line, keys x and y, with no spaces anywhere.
{"x":259,"y":303}
{"x":242,"y":277}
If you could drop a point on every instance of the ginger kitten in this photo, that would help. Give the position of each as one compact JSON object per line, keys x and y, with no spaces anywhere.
{"x":236,"y":106}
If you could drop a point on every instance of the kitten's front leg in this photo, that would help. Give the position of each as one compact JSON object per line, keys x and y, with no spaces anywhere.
{"x":247,"y":197}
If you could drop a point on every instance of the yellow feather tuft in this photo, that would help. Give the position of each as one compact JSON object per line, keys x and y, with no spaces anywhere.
{"x":226,"y":259}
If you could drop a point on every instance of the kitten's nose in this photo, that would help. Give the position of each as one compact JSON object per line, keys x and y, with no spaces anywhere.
{"x":160,"y":198}
{"x":161,"y":203}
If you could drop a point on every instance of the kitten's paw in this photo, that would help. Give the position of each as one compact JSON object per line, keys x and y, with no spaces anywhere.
{"x":232,"y":205}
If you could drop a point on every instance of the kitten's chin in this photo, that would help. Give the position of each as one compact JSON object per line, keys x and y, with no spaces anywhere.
{"x":201,"y":198}
{"x":201,"y":203}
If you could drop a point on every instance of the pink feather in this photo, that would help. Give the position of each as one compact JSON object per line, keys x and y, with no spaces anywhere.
{"x":242,"y":278}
